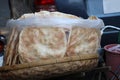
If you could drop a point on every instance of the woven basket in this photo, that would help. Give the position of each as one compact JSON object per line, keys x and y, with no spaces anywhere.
{"x":49,"y":68}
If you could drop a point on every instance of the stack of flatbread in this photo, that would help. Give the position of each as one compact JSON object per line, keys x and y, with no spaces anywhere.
{"x":11,"y":53}
{"x":40,"y":43}
{"x":83,"y":41}
{"x":35,"y":43}
{"x":45,"y":14}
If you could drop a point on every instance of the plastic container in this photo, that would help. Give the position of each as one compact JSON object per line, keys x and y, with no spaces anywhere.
{"x":113,"y":59}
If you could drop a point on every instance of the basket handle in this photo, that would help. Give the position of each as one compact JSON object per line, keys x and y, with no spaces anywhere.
{"x":109,"y":26}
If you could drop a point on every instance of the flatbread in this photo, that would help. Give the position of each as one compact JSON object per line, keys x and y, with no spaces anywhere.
{"x":47,"y":14}
{"x":10,"y":57}
{"x":83,"y":40}
{"x":27,"y":15}
{"x":37,"y":43}
{"x":64,"y":15}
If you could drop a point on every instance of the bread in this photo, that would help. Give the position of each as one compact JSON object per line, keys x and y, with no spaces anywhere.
{"x":37,"y":43}
{"x":11,"y":53}
{"x":46,"y":14}
{"x":28,"y":15}
{"x":83,"y":40}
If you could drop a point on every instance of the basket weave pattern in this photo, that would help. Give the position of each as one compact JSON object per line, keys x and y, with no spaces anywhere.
{"x":49,"y":68}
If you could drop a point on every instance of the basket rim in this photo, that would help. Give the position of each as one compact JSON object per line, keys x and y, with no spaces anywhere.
{"x":66,"y":59}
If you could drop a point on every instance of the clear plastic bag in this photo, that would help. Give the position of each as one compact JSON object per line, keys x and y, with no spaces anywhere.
{"x":66,"y":21}
{"x":55,"y":19}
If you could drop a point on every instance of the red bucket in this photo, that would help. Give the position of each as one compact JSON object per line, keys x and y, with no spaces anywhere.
{"x":112,"y":58}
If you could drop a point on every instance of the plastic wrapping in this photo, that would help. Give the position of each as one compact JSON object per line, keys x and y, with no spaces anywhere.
{"x":56,"y":19}
{"x":43,"y":19}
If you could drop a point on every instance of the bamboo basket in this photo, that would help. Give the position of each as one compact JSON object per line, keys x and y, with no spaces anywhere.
{"x":44,"y":69}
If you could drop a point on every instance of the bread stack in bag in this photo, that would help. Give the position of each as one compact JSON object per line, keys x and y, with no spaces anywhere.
{"x":48,"y":35}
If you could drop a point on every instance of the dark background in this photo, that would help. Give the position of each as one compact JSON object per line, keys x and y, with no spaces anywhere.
{"x":4,"y":12}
